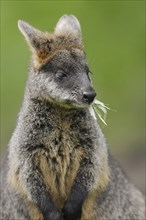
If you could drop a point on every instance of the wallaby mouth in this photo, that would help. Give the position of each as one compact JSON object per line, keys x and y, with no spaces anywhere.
{"x":86,"y":99}
{"x":81,"y":100}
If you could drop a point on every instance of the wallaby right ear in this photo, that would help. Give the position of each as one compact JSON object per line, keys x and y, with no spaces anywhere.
{"x":30,"y":33}
{"x":69,"y":24}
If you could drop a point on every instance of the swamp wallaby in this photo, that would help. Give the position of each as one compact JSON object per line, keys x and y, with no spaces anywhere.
{"x":58,"y":165}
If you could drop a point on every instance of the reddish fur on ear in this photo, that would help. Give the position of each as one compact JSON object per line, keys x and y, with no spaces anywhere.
{"x":52,"y":43}
{"x":44,"y":45}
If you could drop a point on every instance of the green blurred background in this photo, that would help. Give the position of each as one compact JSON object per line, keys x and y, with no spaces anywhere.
{"x":114,"y":38}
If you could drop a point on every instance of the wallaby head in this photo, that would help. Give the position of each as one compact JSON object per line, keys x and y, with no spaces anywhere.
{"x":59,"y":71}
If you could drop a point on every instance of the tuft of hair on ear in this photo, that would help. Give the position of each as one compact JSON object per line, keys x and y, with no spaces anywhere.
{"x":31,"y":34}
{"x":69,"y":24}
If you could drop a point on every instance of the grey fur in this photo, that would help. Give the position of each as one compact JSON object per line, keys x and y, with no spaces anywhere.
{"x":58,"y":162}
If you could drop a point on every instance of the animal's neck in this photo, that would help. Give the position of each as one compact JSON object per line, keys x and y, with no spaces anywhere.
{"x":40,"y":120}
{"x":41,"y":109}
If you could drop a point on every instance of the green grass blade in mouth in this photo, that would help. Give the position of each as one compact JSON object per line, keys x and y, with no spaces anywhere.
{"x":99,"y":109}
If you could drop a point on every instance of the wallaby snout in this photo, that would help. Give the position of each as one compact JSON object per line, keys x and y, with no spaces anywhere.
{"x":88,"y":92}
{"x":89,"y":95}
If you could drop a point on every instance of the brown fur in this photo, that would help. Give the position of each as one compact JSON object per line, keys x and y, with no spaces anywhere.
{"x":60,"y":185}
{"x":88,"y":212}
{"x":50,"y":44}
{"x":34,"y":212}
{"x":13,"y":180}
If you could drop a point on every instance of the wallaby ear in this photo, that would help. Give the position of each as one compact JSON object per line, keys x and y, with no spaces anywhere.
{"x":30,"y":33}
{"x":68,"y":24}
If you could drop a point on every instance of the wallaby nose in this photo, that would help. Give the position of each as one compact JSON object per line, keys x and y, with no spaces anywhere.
{"x":89,"y":96}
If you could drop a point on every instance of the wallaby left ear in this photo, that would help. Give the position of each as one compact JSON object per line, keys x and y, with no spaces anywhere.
{"x":31,"y":34}
{"x":68,"y":24}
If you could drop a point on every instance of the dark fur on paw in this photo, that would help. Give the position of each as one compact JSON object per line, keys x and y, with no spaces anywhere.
{"x":54,"y":216}
{"x":69,"y":213}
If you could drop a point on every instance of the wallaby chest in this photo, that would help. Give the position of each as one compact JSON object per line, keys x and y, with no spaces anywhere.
{"x":59,"y":157}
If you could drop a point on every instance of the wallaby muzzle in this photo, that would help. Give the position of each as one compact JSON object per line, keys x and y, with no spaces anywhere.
{"x":88,"y":96}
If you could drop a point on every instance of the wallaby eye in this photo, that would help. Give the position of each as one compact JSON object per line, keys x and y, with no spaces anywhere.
{"x":60,"y":74}
{"x":88,"y":72}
